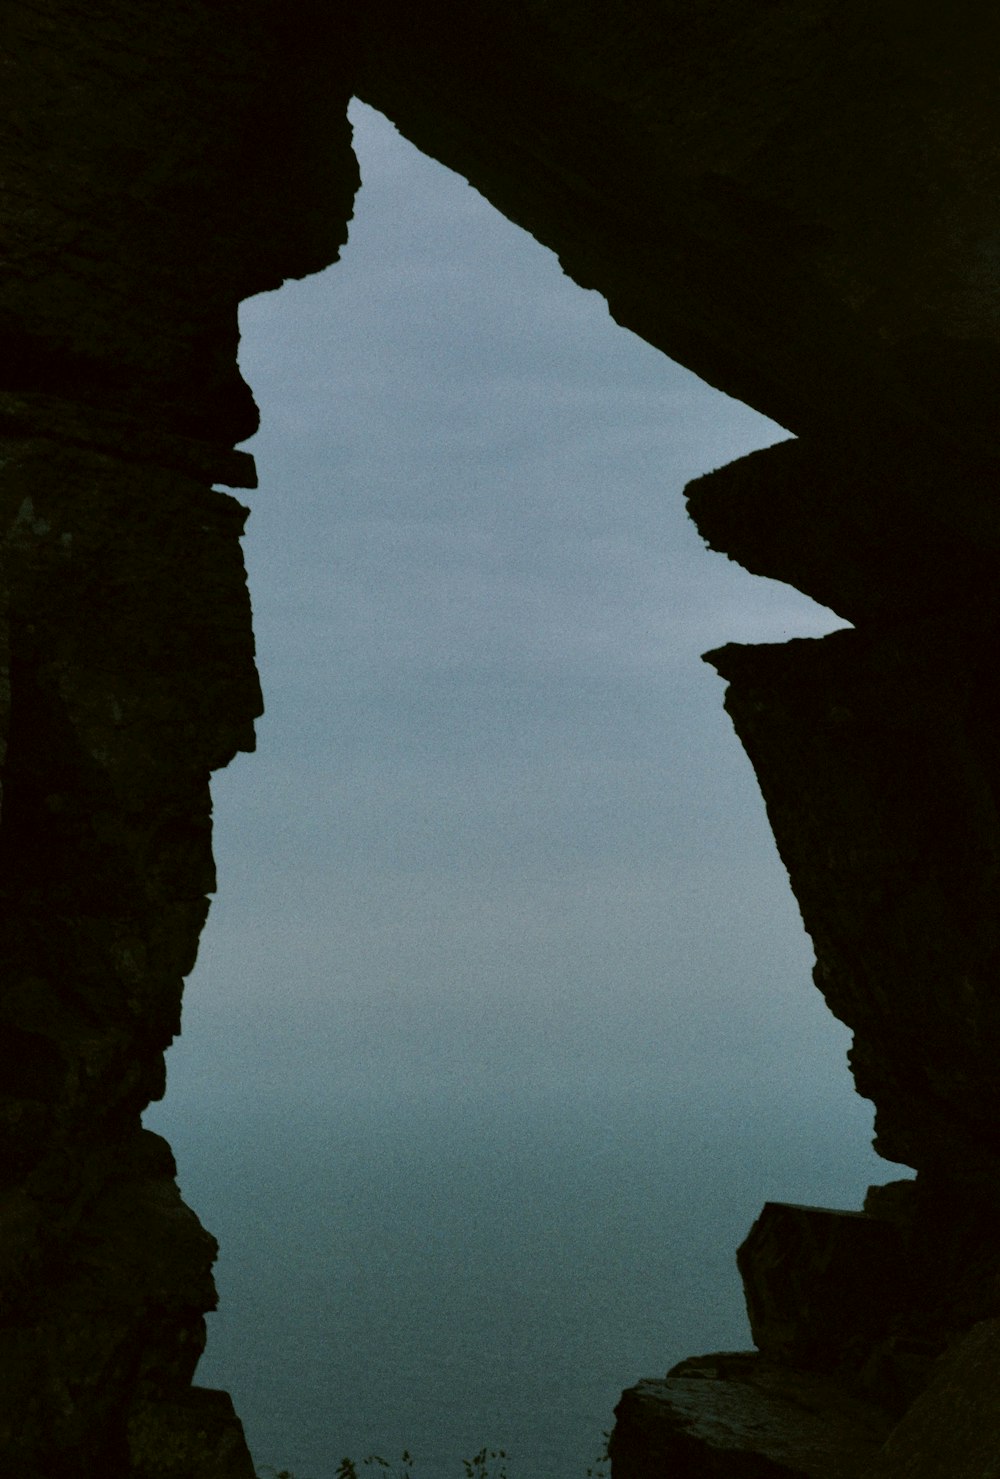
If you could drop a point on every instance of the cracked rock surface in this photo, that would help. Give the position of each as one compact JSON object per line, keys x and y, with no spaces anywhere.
{"x":797,"y":201}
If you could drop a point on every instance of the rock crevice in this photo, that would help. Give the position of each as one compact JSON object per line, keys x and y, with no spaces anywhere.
{"x":796,"y":201}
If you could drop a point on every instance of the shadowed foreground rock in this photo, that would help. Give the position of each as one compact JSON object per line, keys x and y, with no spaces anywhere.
{"x":953,"y":1429}
{"x":743,"y":1415}
{"x":795,"y":200}
{"x":862,"y":1322}
{"x":824,"y":1289}
{"x":129,"y":677}
{"x":130,"y":231}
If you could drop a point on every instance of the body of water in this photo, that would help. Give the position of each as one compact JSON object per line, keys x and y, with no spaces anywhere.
{"x":423,"y":1271}
{"x":501,"y":1032}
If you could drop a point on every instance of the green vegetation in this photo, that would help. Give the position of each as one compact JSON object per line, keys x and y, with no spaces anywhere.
{"x":488,"y":1463}
{"x":478,"y":1467}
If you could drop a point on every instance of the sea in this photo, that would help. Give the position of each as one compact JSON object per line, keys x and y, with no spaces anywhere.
{"x":405,"y":1270}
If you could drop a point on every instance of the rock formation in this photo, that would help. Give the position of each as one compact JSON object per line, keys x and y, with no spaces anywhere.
{"x":161,"y":163}
{"x":797,"y":201}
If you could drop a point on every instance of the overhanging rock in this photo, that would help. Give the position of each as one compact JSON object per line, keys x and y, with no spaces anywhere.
{"x":740,"y":1416}
{"x":795,"y":200}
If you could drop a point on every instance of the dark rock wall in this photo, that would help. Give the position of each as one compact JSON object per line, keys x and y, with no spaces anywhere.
{"x":160,"y":163}
{"x":129,"y":678}
{"x":877,"y":750}
{"x":796,"y":200}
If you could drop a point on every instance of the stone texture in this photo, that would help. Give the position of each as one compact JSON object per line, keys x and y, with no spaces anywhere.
{"x":159,"y":164}
{"x":740,"y":1416}
{"x":795,"y":200}
{"x":871,"y":1298}
{"x":877,"y":538}
{"x":822,"y":1287}
{"x":130,"y":677}
{"x":877,"y":754}
{"x":952,"y":1431}
{"x":198,"y":1433}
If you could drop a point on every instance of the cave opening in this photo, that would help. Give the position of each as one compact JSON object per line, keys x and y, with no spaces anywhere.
{"x":503,"y":1012}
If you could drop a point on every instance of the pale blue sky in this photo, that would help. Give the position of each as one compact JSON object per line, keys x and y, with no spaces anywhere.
{"x":499,"y":844}
{"x":497,"y":817}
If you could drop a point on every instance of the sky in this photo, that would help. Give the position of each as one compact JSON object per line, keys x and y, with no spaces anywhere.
{"x":498,"y":829}
{"x":499,"y":860}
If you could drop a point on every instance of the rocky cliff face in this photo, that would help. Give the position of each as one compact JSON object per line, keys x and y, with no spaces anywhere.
{"x":161,"y":162}
{"x":795,"y":200}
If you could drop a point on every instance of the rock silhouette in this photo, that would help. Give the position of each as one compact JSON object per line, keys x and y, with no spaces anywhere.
{"x":797,"y":202}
